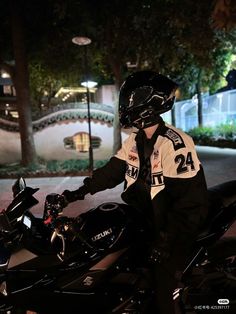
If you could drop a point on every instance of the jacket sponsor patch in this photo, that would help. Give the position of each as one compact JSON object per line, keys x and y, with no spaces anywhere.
{"x":132,"y":157}
{"x":131,"y":171}
{"x":156,"y":165}
{"x":175,"y":138}
{"x":157,"y":179}
{"x":155,"y":154}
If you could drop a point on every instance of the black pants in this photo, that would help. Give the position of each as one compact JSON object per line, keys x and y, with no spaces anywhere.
{"x":168,"y":276}
{"x":166,"y":282}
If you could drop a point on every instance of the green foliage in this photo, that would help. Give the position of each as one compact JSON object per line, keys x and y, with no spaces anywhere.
{"x":223,"y":135}
{"x":17,"y":169}
{"x":201,"y":134}
{"x":51,"y":167}
{"x":226,"y":131}
{"x":72,"y":165}
{"x":175,"y":38}
{"x":43,"y":84}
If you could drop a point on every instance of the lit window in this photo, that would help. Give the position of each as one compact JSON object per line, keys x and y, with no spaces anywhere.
{"x":80,"y":142}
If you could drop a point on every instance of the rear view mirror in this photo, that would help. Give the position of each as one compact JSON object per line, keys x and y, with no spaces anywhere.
{"x":18,"y":186}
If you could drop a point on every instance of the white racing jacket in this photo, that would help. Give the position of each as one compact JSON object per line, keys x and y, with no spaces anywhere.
{"x":174,"y":156}
{"x":178,"y":187}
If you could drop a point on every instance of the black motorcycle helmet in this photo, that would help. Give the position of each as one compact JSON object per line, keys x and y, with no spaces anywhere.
{"x":145,"y":95}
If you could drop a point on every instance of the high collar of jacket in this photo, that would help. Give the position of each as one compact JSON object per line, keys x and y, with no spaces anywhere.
{"x":141,"y":135}
{"x":144,"y":145}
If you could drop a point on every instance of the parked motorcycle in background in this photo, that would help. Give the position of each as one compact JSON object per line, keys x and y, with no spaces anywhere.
{"x":98,"y":262}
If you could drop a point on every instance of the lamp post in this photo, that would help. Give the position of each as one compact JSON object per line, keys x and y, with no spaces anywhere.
{"x":85,"y":41}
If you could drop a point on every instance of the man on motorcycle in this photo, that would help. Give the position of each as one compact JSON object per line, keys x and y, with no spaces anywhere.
{"x":163,"y":177}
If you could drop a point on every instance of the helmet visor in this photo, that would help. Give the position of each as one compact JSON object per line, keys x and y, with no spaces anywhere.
{"x":145,"y":96}
{"x":139,"y":96}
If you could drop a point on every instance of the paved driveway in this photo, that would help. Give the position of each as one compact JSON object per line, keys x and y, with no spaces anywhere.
{"x":219,"y":164}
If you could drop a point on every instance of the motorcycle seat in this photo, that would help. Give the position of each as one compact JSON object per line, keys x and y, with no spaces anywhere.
{"x":224,"y":192}
{"x":220,"y":196}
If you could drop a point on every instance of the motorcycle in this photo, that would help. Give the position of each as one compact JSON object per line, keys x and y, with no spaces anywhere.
{"x":98,"y":262}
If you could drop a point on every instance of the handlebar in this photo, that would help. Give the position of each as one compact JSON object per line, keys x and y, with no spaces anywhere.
{"x":53,"y":207}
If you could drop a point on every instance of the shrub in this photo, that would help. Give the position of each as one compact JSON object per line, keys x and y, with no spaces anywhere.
{"x":201,"y":134}
{"x":223,"y":135}
{"x":53,"y":167}
{"x":100,"y":163}
{"x":226,"y":131}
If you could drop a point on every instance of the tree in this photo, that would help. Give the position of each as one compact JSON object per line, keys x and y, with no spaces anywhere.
{"x":166,"y":36}
{"x":20,"y":78}
{"x":157,"y":34}
{"x":116,"y":42}
{"x":224,"y":14}
{"x":27,"y":34}
{"x":43,"y":86}
{"x":201,"y":60}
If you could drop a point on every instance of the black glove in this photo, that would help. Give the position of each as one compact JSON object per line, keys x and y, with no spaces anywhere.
{"x":79,"y":194}
{"x":160,"y":250}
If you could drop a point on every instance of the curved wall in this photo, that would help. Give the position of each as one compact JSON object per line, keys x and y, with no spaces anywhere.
{"x":49,"y":141}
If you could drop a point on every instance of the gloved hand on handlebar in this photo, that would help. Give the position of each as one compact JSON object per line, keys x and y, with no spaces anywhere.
{"x":158,"y":255}
{"x":160,"y":250}
{"x":79,"y":194}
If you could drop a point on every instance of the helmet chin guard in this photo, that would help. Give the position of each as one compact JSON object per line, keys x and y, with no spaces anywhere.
{"x":143,"y":97}
{"x":145,"y":118}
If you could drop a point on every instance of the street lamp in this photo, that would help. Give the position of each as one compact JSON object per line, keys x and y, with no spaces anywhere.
{"x":85,"y":41}
{"x":89,"y":84}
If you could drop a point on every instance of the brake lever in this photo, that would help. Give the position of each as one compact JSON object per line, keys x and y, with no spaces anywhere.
{"x":56,"y":233}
